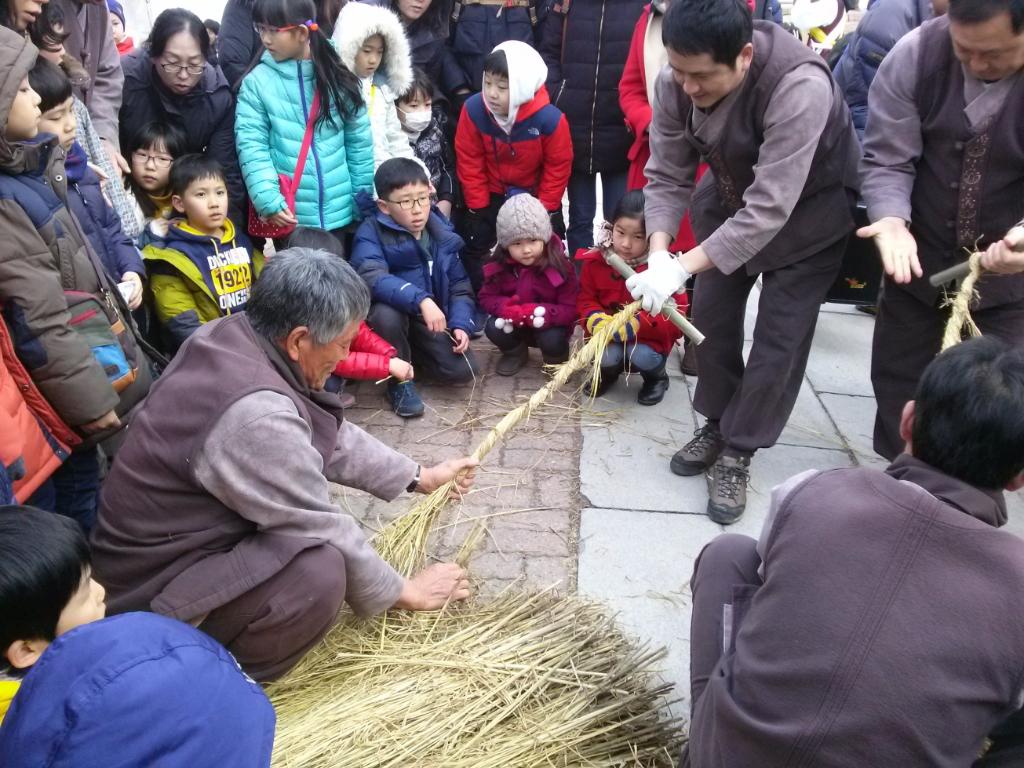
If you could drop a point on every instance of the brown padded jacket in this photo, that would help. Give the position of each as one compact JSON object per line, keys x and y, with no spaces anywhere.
{"x":41,"y":256}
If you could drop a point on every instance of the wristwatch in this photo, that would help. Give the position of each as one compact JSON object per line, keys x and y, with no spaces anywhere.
{"x":415,"y":480}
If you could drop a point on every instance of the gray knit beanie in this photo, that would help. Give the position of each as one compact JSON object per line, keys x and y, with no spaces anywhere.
{"x":523,"y":217}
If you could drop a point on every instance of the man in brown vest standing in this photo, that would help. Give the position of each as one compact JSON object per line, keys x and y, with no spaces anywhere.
{"x":764,"y":113}
{"x":943,"y":175}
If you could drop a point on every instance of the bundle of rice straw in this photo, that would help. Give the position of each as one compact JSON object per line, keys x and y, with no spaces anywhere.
{"x":526,"y":679}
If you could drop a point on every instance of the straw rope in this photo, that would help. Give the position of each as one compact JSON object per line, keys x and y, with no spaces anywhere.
{"x":520,"y":681}
{"x":403,"y":542}
{"x":960,"y":320}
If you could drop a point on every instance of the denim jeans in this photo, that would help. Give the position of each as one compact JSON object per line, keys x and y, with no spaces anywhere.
{"x":583,"y":205}
{"x":73,"y":490}
{"x":640,"y":357}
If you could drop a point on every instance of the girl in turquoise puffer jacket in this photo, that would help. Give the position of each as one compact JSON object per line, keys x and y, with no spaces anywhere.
{"x":273,"y":109}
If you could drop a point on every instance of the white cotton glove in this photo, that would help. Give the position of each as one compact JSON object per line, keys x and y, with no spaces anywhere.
{"x":664,"y":277}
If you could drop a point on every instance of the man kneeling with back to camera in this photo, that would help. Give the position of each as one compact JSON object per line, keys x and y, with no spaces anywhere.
{"x":877,"y":619}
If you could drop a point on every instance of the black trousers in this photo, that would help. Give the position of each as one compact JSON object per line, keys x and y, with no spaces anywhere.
{"x":553,"y":342}
{"x":908,"y":334}
{"x":753,"y":401}
{"x":430,"y":353}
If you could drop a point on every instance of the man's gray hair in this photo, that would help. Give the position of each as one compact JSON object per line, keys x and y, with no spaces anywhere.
{"x":302,"y":286}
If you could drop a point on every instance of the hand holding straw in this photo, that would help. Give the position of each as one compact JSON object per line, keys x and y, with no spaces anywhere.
{"x":668,"y":311}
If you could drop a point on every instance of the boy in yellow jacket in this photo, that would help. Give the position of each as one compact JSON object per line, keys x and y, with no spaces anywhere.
{"x":202,"y":268}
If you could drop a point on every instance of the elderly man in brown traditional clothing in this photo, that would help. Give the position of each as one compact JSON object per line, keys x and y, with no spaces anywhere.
{"x":942,"y":175}
{"x":218,"y":512}
{"x":764,"y":113}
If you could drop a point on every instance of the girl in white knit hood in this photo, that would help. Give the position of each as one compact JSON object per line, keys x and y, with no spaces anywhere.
{"x":372,"y":43}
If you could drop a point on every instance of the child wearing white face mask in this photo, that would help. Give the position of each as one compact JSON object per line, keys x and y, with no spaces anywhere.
{"x":430,"y":136}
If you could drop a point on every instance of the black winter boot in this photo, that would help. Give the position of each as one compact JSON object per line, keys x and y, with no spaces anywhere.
{"x":654,"y":388}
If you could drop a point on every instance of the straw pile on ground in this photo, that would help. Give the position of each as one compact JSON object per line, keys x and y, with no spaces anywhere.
{"x":521,"y":680}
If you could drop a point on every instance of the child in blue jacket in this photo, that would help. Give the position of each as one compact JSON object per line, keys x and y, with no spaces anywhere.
{"x":67,"y":674}
{"x":422,"y":300}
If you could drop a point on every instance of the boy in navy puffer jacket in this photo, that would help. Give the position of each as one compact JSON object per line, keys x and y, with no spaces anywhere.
{"x":423,"y":303}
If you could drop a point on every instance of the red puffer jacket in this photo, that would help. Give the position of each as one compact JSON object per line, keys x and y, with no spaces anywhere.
{"x":33,"y":439}
{"x":368,"y":357}
{"x":602,"y":289}
{"x":537,"y":157}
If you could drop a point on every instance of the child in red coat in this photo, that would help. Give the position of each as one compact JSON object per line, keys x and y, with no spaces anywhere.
{"x":510,"y":139}
{"x":645,"y":343}
{"x":529,"y":287}
{"x":370,"y":358}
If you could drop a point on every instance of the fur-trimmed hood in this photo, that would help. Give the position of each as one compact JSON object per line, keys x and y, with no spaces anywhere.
{"x":359,"y":21}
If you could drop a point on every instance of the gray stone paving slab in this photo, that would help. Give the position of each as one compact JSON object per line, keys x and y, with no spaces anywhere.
{"x":627,"y":453}
{"x":840,"y":354}
{"x":810,"y":425}
{"x":640,"y":564}
{"x":854,"y":415}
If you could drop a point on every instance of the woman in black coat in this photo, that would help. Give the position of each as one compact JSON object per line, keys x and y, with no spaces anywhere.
{"x":585,"y":44}
{"x":426,"y":26}
{"x":170,"y":80}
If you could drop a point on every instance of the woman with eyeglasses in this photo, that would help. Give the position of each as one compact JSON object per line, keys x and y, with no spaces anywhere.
{"x":170,"y":80}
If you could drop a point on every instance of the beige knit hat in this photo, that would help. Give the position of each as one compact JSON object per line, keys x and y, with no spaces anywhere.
{"x":523,"y":217}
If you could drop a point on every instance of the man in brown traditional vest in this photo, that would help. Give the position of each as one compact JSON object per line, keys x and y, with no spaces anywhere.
{"x":943,"y":175}
{"x":218,"y":510}
{"x":764,"y":113}
{"x":876,"y":621}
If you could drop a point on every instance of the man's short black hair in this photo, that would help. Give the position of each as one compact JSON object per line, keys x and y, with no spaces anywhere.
{"x":191,"y":168}
{"x":978,"y":11}
{"x":496,"y":64}
{"x":969,"y":413}
{"x":50,"y":82}
{"x":396,"y":173}
{"x":718,"y":27}
{"x":213,"y":25}
{"x":43,"y":559}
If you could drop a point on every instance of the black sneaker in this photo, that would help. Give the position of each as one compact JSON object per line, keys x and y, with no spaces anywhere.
{"x":404,"y":399}
{"x":727,"y":493}
{"x":700,"y":453}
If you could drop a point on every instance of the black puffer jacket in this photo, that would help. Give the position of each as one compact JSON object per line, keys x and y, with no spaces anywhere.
{"x":474,"y":35}
{"x":585,"y":44}
{"x":206,"y":114}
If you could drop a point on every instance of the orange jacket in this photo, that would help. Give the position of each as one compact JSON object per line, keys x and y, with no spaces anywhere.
{"x":33,"y":439}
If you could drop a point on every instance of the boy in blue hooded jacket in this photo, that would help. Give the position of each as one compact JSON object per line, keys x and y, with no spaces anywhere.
{"x":422,"y":300}
{"x":77,"y":689}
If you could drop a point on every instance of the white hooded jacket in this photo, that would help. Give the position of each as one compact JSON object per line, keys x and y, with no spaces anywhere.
{"x":527,"y":74}
{"x":356,"y":23}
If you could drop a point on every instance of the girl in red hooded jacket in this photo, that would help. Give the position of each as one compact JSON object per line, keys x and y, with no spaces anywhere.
{"x":644,"y":344}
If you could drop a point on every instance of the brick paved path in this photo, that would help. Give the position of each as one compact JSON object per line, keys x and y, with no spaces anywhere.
{"x":527,"y":489}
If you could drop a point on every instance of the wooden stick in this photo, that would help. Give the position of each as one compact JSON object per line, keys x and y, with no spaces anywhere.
{"x":668,"y":310}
